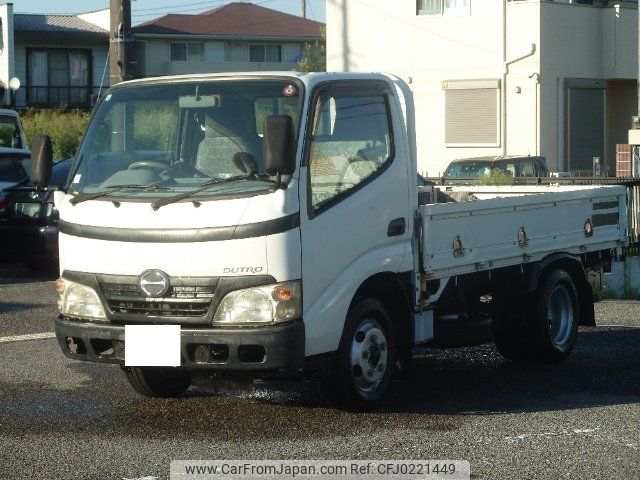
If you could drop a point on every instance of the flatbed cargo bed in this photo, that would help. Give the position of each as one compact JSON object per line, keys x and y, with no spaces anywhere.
{"x":482,"y":228}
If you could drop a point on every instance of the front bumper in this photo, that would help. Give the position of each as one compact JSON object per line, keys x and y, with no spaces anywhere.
{"x":271,"y":348}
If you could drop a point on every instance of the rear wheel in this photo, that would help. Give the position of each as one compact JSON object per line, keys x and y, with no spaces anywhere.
{"x":158,"y":381}
{"x":507,"y":326}
{"x":553,"y":322}
{"x":360,"y":374}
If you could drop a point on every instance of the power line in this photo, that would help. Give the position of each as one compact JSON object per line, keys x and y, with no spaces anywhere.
{"x":313,"y":13}
{"x":183,"y":5}
{"x":182,"y":11}
{"x":170,"y":10}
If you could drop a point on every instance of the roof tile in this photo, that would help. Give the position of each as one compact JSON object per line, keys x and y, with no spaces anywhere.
{"x":234,"y":19}
{"x":54,"y":23}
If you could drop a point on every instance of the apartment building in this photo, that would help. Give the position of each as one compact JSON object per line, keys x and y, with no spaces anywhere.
{"x":501,"y":77}
{"x":59,"y":59}
{"x":233,"y":37}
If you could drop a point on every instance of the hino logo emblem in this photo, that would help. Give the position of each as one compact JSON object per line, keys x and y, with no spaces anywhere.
{"x":154,"y":283}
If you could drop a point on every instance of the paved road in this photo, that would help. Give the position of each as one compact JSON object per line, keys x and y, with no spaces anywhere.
{"x":65,"y":419}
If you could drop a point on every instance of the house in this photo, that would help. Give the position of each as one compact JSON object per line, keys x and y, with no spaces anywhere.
{"x":233,"y":37}
{"x":501,"y":77}
{"x":59,"y":59}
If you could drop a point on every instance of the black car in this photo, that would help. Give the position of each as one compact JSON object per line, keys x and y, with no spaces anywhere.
{"x":14,"y":165}
{"x":514,"y":166}
{"x":29,"y":224}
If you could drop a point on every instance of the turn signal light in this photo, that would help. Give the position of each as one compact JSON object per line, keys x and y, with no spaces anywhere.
{"x":282,"y":293}
{"x":60,"y":286}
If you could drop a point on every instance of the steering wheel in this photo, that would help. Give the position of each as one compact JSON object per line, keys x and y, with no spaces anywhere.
{"x":148,"y":164}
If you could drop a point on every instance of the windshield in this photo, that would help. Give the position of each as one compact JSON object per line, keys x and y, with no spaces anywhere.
{"x":467,"y":170}
{"x":10,"y":136}
{"x":181,"y":135}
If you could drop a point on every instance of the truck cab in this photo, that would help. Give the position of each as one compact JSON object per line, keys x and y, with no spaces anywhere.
{"x":173,"y":215}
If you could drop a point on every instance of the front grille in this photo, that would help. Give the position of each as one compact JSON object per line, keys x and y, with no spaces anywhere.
{"x":123,"y":296}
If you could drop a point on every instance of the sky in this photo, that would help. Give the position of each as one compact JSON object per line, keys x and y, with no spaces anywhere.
{"x":145,"y":10}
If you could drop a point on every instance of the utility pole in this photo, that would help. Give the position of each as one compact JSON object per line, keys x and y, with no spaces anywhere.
{"x":304,"y":8}
{"x":120,"y":41}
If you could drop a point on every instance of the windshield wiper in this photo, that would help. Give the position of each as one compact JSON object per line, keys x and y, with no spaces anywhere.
{"x":216,"y":181}
{"x":113,"y":189}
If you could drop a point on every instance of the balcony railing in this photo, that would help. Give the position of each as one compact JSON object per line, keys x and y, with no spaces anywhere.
{"x":46,"y":96}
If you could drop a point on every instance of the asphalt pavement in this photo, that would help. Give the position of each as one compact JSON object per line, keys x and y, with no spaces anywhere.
{"x":62,"y":419}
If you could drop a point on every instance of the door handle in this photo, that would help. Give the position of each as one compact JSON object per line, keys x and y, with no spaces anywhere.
{"x":397,"y":227}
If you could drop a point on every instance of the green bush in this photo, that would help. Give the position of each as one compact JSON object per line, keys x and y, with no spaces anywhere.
{"x":65,"y":127}
{"x":495,"y":177}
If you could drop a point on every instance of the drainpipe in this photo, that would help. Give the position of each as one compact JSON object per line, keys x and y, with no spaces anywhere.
{"x":503,"y":96}
{"x":505,"y":72}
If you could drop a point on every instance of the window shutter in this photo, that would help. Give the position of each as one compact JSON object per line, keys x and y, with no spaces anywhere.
{"x":585,"y":131}
{"x":472,"y":110}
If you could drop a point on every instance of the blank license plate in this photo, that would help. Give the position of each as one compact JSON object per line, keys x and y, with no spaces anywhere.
{"x":152,"y":345}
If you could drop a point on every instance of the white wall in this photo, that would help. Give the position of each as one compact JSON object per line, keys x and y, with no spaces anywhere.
{"x":371,"y":35}
{"x":219,"y":56}
{"x":101,"y":18}
{"x":572,"y":41}
{"x":582,"y":42}
{"x":7,"y":65}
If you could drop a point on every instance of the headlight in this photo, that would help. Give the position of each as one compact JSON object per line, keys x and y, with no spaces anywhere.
{"x":274,"y":303}
{"x":75,"y":300}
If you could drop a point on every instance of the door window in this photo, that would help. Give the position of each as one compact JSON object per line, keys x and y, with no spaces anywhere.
{"x":351,"y":143}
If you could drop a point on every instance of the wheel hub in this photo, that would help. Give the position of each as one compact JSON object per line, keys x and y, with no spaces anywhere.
{"x":368,"y":355}
{"x":560,"y":314}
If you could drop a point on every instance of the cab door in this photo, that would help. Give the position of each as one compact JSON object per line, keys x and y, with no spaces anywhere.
{"x":358,"y":218}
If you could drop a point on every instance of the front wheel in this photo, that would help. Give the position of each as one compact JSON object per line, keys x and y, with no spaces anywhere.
{"x":158,"y":381}
{"x":360,"y":374}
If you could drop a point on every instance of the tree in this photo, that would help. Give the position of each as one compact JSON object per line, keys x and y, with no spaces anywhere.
{"x":315,"y":55}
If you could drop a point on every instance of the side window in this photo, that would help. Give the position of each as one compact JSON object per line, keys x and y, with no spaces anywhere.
{"x":527,"y":169}
{"x":509,"y":168}
{"x":351,"y":141}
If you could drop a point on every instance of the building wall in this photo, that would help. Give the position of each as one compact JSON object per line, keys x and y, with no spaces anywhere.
{"x":219,"y":56}
{"x":428,"y":50}
{"x":622,"y":104}
{"x":100,"y":18}
{"x":99,"y":55}
{"x":571,"y":41}
{"x":7,"y":65}
{"x":580,"y":41}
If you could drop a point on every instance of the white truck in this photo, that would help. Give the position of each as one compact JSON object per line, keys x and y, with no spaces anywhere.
{"x":274,"y":220}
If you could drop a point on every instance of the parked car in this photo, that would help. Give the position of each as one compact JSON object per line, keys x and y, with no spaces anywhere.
{"x":11,"y":132}
{"x":512,"y":165}
{"x":29,"y":226}
{"x":14,"y":156}
{"x":14,"y":166}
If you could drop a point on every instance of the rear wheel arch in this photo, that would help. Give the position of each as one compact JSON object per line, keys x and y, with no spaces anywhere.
{"x":572,"y":264}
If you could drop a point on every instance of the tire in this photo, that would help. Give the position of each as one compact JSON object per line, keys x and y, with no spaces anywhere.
{"x":509,"y":335}
{"x":360,"y":374}
{"x":553,"y":320}
{"x":157,"y":381}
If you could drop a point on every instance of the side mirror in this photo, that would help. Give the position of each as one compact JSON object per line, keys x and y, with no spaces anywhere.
{"x":41,"y":161}
{"x":279,"y":145}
